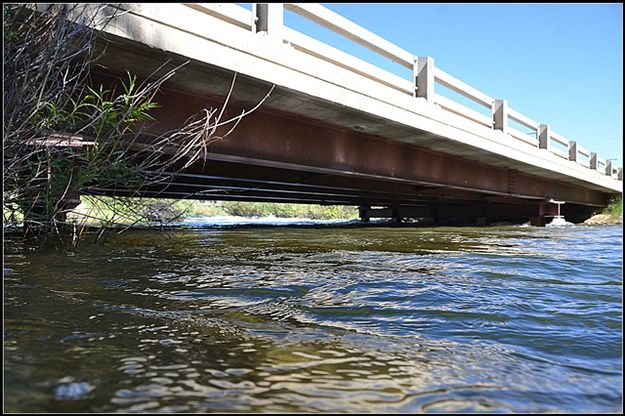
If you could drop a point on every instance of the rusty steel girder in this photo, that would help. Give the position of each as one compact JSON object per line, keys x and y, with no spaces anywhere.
{"x":285,"y":141}
{"x":267,"y":139}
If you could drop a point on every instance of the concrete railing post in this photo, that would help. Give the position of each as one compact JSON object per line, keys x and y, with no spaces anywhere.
{"x":619,"y":174}
{"x":268,"y":18}
{"x":608,"y":167}
{"x":423,"y":73}
{"x":543,"y":136}
{"x":572,"y":150}
{"x":500,"y":115}
{"x":592,"y":160}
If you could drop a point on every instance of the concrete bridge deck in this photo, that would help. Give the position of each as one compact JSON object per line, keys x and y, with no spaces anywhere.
{"x":339,"y":130}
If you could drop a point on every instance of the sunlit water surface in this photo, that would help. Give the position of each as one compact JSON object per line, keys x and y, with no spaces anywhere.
{"x":318,"y":319}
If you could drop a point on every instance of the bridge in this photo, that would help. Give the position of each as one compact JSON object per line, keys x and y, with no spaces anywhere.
{"x":339,"y":130}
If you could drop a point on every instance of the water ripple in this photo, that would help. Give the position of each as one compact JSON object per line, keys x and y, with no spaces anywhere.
{"x":325,"y":320}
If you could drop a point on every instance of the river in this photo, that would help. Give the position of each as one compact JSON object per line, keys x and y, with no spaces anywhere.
{"x":318,"y":319}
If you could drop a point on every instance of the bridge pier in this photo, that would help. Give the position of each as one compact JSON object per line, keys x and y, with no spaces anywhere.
{"x":477,"y":214}
{"x":548,"y":209}
{"x":364,"y":212}
{"x":482,"y":217}
{"x":395,"y":215}
{"x":538,"y":221}
{"x":435,"y":215}
{"x":544,"y":210}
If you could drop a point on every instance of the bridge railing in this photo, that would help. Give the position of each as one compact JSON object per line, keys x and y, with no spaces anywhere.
{"x":268,"y":18}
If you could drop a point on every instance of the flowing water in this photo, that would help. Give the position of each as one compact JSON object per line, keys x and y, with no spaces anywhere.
{"x":318,"y":319}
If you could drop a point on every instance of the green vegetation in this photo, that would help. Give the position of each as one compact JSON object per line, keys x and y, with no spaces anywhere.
{"x":65,"y":135}
{"x":101,"y":210}
{"x":61,"y":135}
{"x":97,"y":210}
{"x":615,"y":208}
{"x":264,"y":209}
{"x":611,"y":215}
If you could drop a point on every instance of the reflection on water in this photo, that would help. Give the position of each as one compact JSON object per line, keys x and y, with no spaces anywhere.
{"x":326,"y":319}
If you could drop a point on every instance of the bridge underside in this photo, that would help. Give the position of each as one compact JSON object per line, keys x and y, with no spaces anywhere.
{"x":246,"y":181}
{"x":276,"y":157}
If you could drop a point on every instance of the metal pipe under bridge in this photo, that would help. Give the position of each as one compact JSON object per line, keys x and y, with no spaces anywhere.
{"x":339,"y":130}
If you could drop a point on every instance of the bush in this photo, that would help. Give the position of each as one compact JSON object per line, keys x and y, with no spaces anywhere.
{"x":615,"y":208}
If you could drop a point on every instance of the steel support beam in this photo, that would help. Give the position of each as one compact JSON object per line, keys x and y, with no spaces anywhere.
{"x":299,"y":147}
{"x":278,"y":140}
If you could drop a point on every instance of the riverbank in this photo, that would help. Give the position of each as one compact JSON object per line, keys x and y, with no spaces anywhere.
{"x":604,"y":219}
{"x":611,"y":215}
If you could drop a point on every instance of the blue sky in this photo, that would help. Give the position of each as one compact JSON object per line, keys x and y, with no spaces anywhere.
{"x":560,"y":64}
